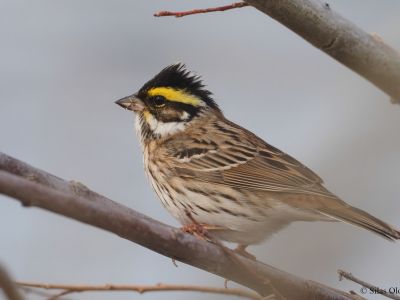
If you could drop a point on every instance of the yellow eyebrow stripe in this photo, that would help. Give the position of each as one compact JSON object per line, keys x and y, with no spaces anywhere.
{"x":175,"y":95}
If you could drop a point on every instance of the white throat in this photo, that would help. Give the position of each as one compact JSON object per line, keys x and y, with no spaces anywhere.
{"x":158,"y":128}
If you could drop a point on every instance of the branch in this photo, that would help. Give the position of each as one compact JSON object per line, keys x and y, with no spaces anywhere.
{"x":179,"y":14}
{"x":8,"y":286}
{"x":141,"y":289}
{"x":33,"y":187}
{"x":370,"y":288}
{"x":316,"y":22}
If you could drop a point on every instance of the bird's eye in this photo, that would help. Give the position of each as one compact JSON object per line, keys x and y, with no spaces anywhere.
{"x":159,"y":101}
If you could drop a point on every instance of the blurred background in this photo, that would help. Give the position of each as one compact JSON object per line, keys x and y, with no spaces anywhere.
{"x":64,"y":63}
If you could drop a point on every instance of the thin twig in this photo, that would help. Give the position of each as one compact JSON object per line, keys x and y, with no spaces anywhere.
{"x":179,"y":14}
{"x":69,"y":288}
{"x":370,"y":287}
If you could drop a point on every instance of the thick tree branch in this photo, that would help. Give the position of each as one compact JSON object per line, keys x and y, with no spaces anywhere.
{"x":69,"y":289}
{"x":34,"y":187}
{"x":319,"y":24}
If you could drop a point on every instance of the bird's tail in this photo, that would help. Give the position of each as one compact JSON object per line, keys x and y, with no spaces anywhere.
{"x":360,"y":218}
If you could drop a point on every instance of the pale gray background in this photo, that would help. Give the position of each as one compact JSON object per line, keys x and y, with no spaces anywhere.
{"x":62,"y":65}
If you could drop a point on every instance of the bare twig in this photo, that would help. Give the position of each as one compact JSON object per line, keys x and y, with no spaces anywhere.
{"x":69,"y":288}
{"x":369,"y":287}
{"x":179,"y":14}
{"x":33,"y":187}
{"x":8,"y":286}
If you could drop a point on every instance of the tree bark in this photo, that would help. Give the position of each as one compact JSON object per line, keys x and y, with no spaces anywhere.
{"x":33,"y":187}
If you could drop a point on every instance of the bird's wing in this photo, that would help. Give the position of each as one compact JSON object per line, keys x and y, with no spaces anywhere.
{"x":239,"y":159}
{"x":231,"y":155}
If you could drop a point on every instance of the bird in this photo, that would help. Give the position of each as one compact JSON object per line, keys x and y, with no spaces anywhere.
{"x":214,"y":175}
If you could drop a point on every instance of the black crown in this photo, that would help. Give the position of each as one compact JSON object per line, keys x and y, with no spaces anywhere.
{"x":178,"y":77}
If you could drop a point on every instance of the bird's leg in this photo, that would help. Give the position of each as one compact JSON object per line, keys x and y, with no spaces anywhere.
{"x":241,"y":249}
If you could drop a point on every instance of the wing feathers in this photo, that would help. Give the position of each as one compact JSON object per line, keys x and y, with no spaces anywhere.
{"x":231,"y":156}
{"x":358,"y":217}
{"x":243,"y":160}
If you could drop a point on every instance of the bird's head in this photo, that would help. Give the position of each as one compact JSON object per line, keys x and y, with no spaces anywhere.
{"x":169,"y":102}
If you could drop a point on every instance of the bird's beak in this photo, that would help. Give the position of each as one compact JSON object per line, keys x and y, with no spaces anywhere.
{"x":131,"y":103}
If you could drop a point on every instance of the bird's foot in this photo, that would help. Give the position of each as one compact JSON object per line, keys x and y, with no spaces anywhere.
{"x":196,"y":229}
{"x":241,"y":249}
